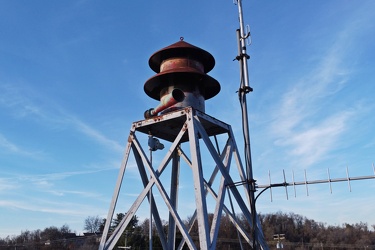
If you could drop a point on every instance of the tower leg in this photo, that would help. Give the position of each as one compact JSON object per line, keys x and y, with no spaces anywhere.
{"x":174,"y":199}
{"x":199,"y":188}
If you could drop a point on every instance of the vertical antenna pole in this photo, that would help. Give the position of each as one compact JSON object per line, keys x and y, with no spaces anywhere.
{"x":243,"y":54}
{"x":285,"y":184}
{"x":269,"y":177}
{"x":294,"y":186}
{"x":348,"y":178}
{"x":245,"y":120}
{"x":244,"y":89}
{"x":307,"y":189}
{"x":329,"y":180}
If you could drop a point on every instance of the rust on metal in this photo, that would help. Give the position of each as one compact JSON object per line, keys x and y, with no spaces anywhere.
{"x":182,"y":49}
{"x":169,"y":125}
{"x":182,"y":65}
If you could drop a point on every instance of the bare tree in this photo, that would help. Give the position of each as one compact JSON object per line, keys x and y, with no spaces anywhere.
{"x":92,"y":224}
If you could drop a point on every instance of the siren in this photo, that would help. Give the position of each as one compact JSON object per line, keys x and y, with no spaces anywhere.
{"x":175,"y":96}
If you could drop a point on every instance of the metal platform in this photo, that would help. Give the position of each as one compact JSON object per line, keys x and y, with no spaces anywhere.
{"x":168,"y":126}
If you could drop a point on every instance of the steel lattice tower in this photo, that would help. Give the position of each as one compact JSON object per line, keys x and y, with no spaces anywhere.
{"x":182,"y":86}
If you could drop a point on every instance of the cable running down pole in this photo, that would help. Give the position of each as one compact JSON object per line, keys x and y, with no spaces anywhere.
{"x":244,"y":89}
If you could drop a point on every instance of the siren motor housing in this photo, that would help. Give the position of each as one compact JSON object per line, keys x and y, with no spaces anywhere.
{"x":181,"y":67}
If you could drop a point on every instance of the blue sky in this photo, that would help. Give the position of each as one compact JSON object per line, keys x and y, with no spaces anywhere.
{"x":71,"y":84}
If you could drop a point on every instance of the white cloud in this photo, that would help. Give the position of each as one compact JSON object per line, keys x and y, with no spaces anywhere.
{"x":45,"y":178}
{"x":6,"y":185}
{"x":22,"y":103}
{"x":94,"y":134}
{"x":310,"y":118}
{"x":5,"y":144}
{"x":47,"y":207}
{"x":311,"y":144}
{"x":10,"y":147}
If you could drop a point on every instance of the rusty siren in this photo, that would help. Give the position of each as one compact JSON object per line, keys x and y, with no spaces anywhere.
{"x":166,"y":101}
{"x":181,"y":78}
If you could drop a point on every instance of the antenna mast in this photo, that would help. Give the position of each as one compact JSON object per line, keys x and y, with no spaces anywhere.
{"x":243,"y":56}
{"x":243,"y":39}
{"x":244,"y":89}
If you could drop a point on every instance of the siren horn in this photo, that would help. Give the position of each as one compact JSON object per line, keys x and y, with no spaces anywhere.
{"x":177,"y":95}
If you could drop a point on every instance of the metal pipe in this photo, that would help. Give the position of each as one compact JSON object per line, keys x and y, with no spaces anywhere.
{"x":175,"y":96}
{"x":243,"y":53}
{"x":245,"y":127}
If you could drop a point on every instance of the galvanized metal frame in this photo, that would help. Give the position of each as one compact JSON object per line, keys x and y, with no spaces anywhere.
{"x":193,"y":126}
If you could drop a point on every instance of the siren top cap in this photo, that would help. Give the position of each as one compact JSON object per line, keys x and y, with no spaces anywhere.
{"x":184,"y":50}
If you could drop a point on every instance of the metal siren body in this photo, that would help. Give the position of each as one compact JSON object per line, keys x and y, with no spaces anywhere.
{"x":166,"y":101}
{"x":181,"y":80}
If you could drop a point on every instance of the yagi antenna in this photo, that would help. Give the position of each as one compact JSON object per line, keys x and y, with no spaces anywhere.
{"x":307,"y":182}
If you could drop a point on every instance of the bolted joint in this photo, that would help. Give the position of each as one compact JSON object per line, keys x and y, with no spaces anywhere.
{"x":239,"y":57}
{"x":245,"y":89}
{"x":252,"y":185}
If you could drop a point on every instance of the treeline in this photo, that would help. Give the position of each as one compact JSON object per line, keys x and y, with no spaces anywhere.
{"x":49,"y":238}
{"x":290,"y":231}
{"x":303,"y":233}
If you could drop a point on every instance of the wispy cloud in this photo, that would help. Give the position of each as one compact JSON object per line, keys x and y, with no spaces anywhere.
{"x":23,"y":104}
{"x":94,"y":134}
{"x":19,"y":100}
{"x":43,"y":207}
{"x":306,"y":122}
{"x":5,"y":144}
{"x":311,"y":145}
{"x":10,"y":147}
{"x":6,"y":185}
{"x":45,"y":180}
